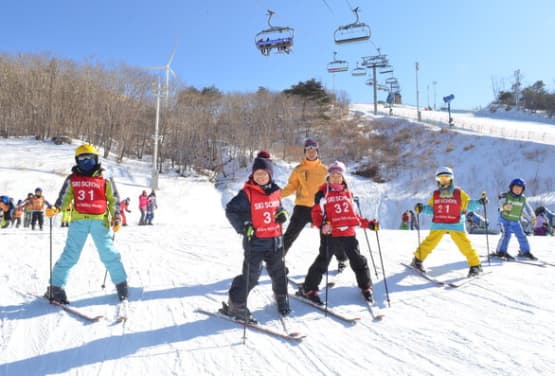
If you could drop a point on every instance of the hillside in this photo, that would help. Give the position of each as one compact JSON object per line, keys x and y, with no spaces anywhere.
{"x":500,"y":324}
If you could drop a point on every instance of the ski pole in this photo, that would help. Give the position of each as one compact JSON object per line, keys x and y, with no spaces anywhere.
{"x":418,"y":233}
{"x":356,"y":200}
{"x":383,"y":269}
{"x":50,"y":289}
{"x":283,"y":261}
{"x":486,"y":219}
{"x":106,"y":273}
{"x":326,"y":238}
{"x":247,"y":269}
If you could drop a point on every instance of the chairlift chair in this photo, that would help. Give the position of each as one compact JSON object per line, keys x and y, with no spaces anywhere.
{"x":277,"y":38}
{"x":335,"y":65}
{"x":354,"y":32}
{"x":359,"y":71}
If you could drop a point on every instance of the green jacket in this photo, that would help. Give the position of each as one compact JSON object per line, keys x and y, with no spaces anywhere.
{"x":112,"y":198}
{"x":512,"y":206}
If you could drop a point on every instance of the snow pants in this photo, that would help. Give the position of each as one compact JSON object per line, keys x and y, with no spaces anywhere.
{"x":460,"y":239}
{"x":507,"y":229}
{"x":299,"y":219}
{"x":252,"y":267}
{"x":77,"y":234}
{"x":347,"y":245}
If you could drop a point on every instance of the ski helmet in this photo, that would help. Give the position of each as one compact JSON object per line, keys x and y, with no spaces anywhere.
{"x":445,"y":171}
{"x":38,"y":189}
{"x":518,"y":181}
{"x":86,"y":157}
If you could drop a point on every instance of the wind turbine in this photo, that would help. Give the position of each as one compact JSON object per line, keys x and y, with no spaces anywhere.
{"x":169,"y":71}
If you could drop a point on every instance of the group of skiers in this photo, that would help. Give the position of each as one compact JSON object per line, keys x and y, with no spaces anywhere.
{"x":323,"y":198}
{"x":31,"y":209}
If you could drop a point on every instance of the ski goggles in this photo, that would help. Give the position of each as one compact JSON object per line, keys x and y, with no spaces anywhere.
{"x":85,"y":157}
{"x":443,"y":178}
{"x":310,"y":147}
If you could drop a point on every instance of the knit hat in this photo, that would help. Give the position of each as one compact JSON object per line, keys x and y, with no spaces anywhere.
{"x":337,"y":168}
{"x":310,"y":143}
{"x":263,"y":162}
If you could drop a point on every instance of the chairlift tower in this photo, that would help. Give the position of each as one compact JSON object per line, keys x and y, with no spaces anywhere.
{"x":377,"y":61}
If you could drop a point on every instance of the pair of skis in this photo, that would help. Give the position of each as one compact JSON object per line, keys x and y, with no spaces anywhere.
{"x":121,"y":314}
{"x":331,"y":312}
{"x":522,"y":260}
{"x":285,"y":334}
{"x":444,"y":283}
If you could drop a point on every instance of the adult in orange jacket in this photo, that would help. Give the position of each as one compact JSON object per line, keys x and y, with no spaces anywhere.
{"x":304,"y":181}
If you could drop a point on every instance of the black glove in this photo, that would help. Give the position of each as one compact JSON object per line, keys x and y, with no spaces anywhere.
{"x":281,"y":216}
{"x":483,"y":200}
{"x":418,"y":207}
{"x":248,"y":230}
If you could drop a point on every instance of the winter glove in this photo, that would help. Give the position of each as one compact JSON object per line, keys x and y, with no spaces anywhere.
{"x":373,"y":225}
{"x":116,"y":223}
{"x":51,"y":211}
{"x":418,"y":208}
{"x":483,"y":199}
{"x":248,"y":230}
{"x":281,"y":216}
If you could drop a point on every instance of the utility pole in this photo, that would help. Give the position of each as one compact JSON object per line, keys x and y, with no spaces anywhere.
{"x":434,"y":83}
{"x":418,"y":114}
{"x":154,"y":179}
{"x":517,"y":88}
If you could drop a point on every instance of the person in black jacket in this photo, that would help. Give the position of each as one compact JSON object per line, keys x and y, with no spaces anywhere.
{"x":256,"y":213}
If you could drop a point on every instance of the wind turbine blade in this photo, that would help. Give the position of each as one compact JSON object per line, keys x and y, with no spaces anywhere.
{"x":172,"y":72}
{"x":171,"y":57}
{"x":157,"y":67}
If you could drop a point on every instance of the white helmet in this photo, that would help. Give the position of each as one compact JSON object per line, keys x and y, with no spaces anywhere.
{"x":445,"y":171}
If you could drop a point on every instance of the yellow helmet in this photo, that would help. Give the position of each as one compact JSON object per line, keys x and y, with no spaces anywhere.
{"x":86,"y":149}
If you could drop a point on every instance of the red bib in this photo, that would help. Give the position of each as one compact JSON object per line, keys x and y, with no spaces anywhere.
{"x":263,"y":211}
{"x":447,"y":209}
{"x":89,"y":194}
{"x":339,"y":209}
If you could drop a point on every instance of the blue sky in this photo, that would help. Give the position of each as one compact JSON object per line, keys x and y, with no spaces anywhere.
{"x":464,"y":46}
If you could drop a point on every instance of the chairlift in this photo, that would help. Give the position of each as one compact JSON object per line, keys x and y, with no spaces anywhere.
{"x":337,"y":65}
{"x":355,"y":32}
{"x":391,"y":80}
{"x":278,"y":38}
{"x":359,"y":71}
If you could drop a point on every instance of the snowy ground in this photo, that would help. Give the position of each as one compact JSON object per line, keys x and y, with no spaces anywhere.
{"x":501,"y":324}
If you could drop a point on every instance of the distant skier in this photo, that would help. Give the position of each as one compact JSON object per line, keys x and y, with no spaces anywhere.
{"x":124,"y":207}
{"x":143,"y":202}
{"x":257,"y":214}
{"x":38,"y":203}
{"x":334,"y":214}
{"x":7,"y":209}
{"x":151,"y":205}
{"x":405,"y":219}
{"x":28,"y":210}
{"x":448,"y":205}
{"x":95,"y":207}
{"x":512,"y":205}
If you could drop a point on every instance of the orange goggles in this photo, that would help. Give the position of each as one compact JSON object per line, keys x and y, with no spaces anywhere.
{"x":443,"y":178}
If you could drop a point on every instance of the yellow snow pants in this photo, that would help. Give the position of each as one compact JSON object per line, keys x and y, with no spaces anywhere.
{"x":460,"y":239}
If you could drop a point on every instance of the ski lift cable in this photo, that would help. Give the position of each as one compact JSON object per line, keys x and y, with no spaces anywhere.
{"x":328,"y":6}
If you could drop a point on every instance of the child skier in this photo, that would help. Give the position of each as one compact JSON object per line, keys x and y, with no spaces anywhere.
{"x":448,"y":205}
{"x":143,"y":202}
{"x":95,"y":199}
{"x":334,"y":213}
{"x":124,"y":207}
{"x":256,"y":212}
{"x":512,"y":205}
{"x":150,"y":206}
{"x":38,"y":203}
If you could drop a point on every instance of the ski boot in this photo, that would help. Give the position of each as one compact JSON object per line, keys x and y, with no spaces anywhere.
{"x":283,"y":305}
{"x":527,"y":255}
{"x":123,"y":291}
{"x":368,"y":294}
{"x":58,"y":295}
{"x":474,"y":270}
{"x":417,"y":264}
{"x":238,"y":312}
